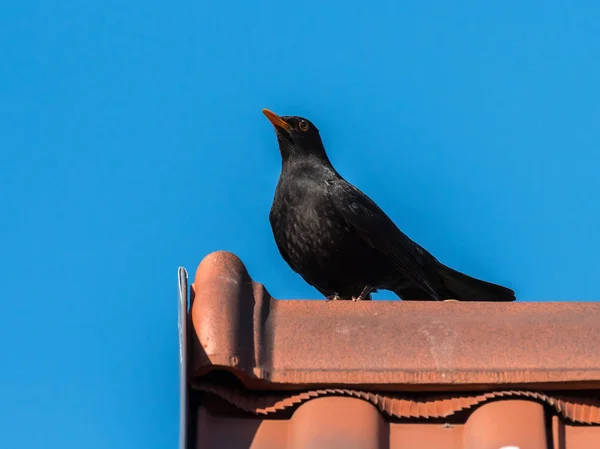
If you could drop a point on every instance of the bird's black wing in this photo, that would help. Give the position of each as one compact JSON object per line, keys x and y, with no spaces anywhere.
{"x":380,"y":233}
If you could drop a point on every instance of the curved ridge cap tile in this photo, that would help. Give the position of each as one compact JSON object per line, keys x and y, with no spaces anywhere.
{"x":222,"y":313}
{"x":219,"y":268}
{"x":241,"y":327}
{"x":569,"y":408}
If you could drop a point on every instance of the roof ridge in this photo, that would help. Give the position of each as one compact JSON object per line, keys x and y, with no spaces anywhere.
{"x":240,"y":327}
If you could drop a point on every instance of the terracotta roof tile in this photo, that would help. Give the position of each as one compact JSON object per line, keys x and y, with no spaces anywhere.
{"x":267,"y":373}
{"x":397,"y":344}
{"x":347,"y":422}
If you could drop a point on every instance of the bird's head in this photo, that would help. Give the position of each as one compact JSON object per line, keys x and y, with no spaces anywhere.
{"x":297,"y":136}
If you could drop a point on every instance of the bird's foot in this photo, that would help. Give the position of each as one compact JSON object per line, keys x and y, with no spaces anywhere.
{"x":364,"y":295}
{"x":334,"y":297}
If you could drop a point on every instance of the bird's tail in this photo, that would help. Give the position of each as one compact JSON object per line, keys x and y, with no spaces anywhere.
{"x":467,"y":288}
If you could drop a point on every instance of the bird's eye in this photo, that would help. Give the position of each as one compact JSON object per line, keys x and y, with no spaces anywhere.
{"x":303,"y":125}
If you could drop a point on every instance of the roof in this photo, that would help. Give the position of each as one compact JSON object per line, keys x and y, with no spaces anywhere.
{"x":300,"y":373}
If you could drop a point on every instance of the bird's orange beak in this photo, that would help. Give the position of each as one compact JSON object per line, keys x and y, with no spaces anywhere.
{"x":277,"y":121}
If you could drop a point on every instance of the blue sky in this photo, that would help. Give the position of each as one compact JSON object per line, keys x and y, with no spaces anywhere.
{"x":132,"y":142}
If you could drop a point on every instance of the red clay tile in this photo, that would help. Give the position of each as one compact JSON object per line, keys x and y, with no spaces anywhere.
{"x":396,"y":344}
{"x":344,"y":422}
{"x":513,"y":423}
{"x":386,"y":374}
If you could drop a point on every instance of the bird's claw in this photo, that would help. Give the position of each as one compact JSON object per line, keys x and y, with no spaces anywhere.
{"x":334,"y":297}
{"x":365,"y":294}
{"x":360,"y":298}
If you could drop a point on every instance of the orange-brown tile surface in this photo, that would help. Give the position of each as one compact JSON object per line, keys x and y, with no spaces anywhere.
{"x":387,"y":374}
{"x":391,"y":343}
{"x":340,"y":422}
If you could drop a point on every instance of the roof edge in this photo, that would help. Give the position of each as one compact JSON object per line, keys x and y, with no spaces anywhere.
{"x":477,"y":380}
{"x":238,"y":326}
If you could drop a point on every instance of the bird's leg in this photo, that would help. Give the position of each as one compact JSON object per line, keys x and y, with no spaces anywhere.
{"x":364,"y":294}
{"x":334,"y":297}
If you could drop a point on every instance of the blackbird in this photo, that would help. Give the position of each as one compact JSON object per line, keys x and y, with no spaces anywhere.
{"x":341,"y":242}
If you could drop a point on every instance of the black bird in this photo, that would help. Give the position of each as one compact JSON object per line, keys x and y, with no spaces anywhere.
{"x":341,"y":242}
